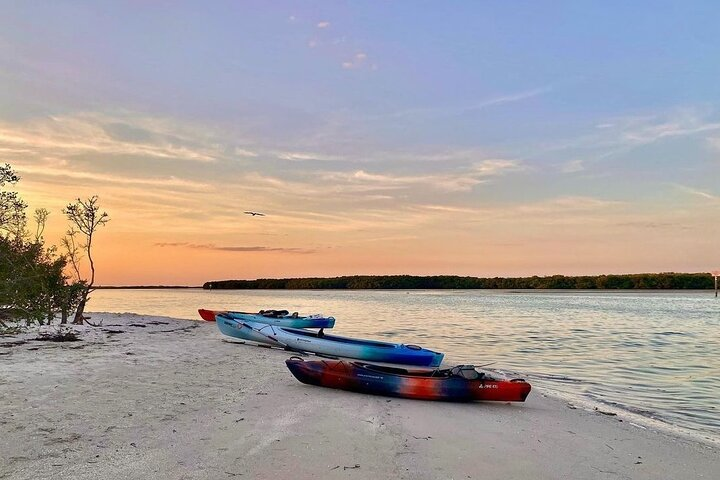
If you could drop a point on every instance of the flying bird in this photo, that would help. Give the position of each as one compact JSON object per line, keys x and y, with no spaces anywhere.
{"x":254,"y":214}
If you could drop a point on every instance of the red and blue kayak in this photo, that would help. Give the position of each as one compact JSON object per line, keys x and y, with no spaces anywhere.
{"x":459,"y":384}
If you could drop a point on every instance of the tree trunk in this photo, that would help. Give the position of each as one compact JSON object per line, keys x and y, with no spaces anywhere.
{"x":63,"y":316}
{"x":80,"y":310}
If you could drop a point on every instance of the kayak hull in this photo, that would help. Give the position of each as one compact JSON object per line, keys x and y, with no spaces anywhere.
{"x":330,"y":345}
{"x":364,"y":378}
{"x":286,"y":321}
{"x":235,"y":329}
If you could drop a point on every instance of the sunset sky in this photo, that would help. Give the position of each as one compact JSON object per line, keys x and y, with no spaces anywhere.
{"x":486,"y":138}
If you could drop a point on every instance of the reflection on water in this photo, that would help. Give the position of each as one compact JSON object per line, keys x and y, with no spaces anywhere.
{"x":657,"y":354}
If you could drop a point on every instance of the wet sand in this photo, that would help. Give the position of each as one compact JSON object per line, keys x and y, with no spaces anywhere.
{"x":151,"y":397}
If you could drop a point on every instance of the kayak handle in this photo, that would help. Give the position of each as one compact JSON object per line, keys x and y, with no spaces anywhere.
{"x":294,"y":357}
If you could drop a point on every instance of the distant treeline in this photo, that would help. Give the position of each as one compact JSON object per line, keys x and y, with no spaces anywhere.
{"x":656,"y":281}
{"x":140,"y":287}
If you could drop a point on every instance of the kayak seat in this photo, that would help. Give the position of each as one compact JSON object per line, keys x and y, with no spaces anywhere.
{"x":273,"y":313}
{"x":467,"y":372}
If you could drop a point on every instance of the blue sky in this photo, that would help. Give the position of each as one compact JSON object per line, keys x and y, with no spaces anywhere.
{"x":534,"y":137}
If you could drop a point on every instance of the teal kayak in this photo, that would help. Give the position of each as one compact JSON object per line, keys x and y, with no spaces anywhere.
{"x":331,"y":345}
{"x":281,"y":318}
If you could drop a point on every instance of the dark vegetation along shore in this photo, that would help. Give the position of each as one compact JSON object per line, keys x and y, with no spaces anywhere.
{"x":655,"y":281}
{"x":141,"y":287}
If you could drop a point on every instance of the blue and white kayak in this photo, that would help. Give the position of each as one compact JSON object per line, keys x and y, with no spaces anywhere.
{"x":273,"y":317}
{"x":331,"y":345}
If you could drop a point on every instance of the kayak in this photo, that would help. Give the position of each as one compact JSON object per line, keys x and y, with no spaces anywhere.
{"x":331,"y":345}
{"x":459,"y":384}
{"x":273,"y":317}
{"x":233,"y":328}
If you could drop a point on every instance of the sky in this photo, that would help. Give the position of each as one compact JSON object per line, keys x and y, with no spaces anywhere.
{"x":483,"y":138}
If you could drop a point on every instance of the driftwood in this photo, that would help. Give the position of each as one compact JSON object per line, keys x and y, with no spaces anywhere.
{"x":87,"y":320}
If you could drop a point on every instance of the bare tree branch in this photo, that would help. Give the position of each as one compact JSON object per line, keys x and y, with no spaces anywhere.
{"x":86,"y":216}
{"x":41,"y":216}
{"x":73,"y":250}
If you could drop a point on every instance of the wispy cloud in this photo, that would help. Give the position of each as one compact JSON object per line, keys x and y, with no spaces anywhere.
{"x":509,"y":98}
{"x":561,"y":210}
{"x":359,"y":60}
{"x":616,"y":136}
{"x":652,"y":133}
{"x":572,"y":166}
{"x":650,"y":225}
{"x":481,"y":105}
{"x":461,"y":180}
{"x":566,"y":204}
{"x":698,"y":193}
{"x":210,"y":246}
{"x":305,"y":156}
{"x":104,"y":135}
{"x":646,"y":129}
{"x":323,"y":39}
{"x":714,"y":143}
{"x":48,"y":170}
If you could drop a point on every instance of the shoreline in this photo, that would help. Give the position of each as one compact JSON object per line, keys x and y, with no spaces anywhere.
{"x":194,"y":404}
{"x":510,"y":290}
{"x":625,"y":414}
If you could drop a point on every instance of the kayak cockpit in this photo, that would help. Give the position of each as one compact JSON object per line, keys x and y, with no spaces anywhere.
{"x":468,"y":372}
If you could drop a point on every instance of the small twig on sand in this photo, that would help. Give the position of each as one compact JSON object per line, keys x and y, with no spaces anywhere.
{"x":610,"y":414}
{"x":357,"y":465}
{"x":98,"y":324}
{"x":183,"y":329}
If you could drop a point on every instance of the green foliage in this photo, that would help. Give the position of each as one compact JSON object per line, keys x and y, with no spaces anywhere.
{"x":32,"y":282}
{"x":677,"y":281}
{"x":33,"y":285}
{"x":12,"y":207}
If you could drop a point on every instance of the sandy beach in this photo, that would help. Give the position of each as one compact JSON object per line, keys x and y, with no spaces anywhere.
{"x":153,"y":397}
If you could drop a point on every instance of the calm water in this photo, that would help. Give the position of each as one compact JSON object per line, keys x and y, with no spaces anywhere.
{"x":654,"y":354}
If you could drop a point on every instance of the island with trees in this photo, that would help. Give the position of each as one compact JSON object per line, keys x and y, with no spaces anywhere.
{"x":651,"y":281}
